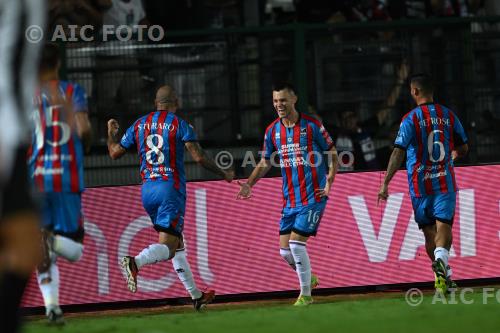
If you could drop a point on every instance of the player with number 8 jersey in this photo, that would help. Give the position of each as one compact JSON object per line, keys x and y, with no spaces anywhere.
{"x":160,"y":138}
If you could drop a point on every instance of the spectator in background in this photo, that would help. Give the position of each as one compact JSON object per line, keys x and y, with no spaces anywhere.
{"x":441,"y":8}
{"x":474,"y":8}
{"x":354,"y":141}
{"x":369,"y":10}
{"x":318,"y":11}
{"x":77,"y":12}
{"x":119,"y":83}
{"x":416,"y":9}
{"x":126,"y":12}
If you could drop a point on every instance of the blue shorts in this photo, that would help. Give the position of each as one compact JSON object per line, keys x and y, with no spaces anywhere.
{"x":165,"y":205}
{"x":434,"y":207}
{"x":62,"y":214}
{"x":302,"y":220}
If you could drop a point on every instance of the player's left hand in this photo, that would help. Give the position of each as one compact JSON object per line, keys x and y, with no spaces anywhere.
{"x":323,"y":192}
{"x":383,"y":194}
{"x":245,"y":191}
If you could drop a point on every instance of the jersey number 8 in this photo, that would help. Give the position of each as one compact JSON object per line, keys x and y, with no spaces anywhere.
{"x":155,"y":148}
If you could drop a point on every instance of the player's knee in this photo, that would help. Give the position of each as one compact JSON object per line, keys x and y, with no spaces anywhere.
{"x":67,"y":248}
{"x":161,"y":252}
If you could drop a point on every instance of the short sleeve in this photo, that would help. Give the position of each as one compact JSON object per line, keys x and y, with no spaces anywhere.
{"x":459,"y":133}
{"x":128,"y":139}
{"x":268,"y":147}
{"x":405,"y":134}
{"x":79,"y":99}
{"x":187,"y":132}
{"x":322,"y":137}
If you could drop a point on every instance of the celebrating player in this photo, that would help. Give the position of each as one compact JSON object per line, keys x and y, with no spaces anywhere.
{"x":300,"y":142}
{"x":55,"y":163}
{"x":432,"y":137}
{"x":160,"y":138}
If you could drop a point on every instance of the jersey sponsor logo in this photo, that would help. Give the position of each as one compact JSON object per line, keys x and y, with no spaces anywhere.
{"x":291,"y":148}
{"x":55,"y":157}
{"x":303,"y":131}
{"x":40,"y":170}
{"x":429,"y":175}
{"x":293,"y":162}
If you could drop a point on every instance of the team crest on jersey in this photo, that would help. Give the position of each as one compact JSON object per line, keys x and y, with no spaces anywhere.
{"x":277,"y":136}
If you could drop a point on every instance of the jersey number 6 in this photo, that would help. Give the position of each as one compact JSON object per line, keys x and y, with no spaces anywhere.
{"x":431,"y":144}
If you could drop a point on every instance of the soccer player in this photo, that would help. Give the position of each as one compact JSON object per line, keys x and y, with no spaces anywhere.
{"x":160,"y":138}
{"x":432,"y":137}
{"x":55,"y":164}
{"x":301,"y":143}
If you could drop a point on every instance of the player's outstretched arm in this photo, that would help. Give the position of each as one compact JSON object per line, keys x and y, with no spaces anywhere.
{"x":333,"y":166}
{"x":114,"y":148}
{"x":260,"y":171}
{"x":200,"y":157}
{"x":397,"y":158}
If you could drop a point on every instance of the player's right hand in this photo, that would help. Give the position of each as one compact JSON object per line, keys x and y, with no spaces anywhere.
{"x":383,"y":194}
{"x":113,"y":127}
{"x":245,"y":191}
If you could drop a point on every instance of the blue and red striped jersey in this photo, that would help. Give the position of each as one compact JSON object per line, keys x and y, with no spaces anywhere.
{"x":429,"y":134}
{"x":55,"y":157}
{"x":160,"y":137}
{"x":301,"y":151}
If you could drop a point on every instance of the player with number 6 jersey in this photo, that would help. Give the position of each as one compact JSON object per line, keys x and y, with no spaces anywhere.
{"x":432,"y":137}
{"x":160,"y":138}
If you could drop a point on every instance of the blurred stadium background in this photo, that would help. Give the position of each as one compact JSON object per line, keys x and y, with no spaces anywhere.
{"x":222,"y":56}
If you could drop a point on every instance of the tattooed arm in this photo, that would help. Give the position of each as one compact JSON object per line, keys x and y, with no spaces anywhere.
{"x":200,"y":157}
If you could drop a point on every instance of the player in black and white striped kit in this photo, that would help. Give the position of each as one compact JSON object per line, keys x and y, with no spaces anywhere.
{"x":19,"y":224}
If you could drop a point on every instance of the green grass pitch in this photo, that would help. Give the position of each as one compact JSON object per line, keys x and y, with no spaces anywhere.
{"x":381,"y":312}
